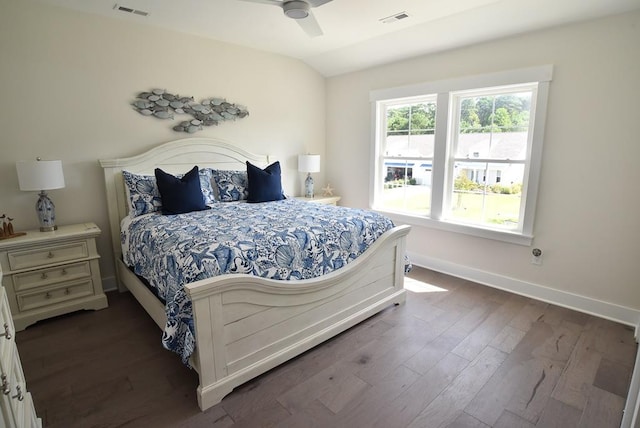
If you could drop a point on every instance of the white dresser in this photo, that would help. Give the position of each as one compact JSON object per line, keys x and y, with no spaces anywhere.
{"x":51,"y":273}
{"x":16,"y":404}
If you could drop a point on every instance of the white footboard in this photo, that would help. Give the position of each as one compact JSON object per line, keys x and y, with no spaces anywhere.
{"x":246,"y":325}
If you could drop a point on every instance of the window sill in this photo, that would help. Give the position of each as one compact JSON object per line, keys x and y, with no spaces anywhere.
{"x":496,"y":235}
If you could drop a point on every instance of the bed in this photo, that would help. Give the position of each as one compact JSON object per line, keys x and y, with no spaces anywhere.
{"x":244,"y":325}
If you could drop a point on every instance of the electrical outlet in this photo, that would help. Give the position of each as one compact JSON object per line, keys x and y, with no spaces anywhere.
{"x":536,"y":256}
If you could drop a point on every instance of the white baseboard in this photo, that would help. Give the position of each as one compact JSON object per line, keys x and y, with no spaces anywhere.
{"x":109,"y":283}
{"x":599,"y":308}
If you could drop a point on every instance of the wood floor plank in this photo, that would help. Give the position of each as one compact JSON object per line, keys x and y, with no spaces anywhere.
{"x":559,"y":415}
{"x":393,"y":350}
{"x":300,"y":395}
{"x":526,"y":379}
{"x":613,"y":377}
{"x":466,"y":421}
{"x":400,"y":412}
{"x":445,"y":282}
{"x":554,"y":315}
{"x":533,"y":312}
{"x":615,"y":343}
{"x":474,"y":343}
{"x":54,"y":409}
{"x":579,"y":372}
{"x":471,"y":320}
{"x":431,"y":353}
{"x":603,"y":409}
{"x":216,"y":418}
{"x":368,"y":408}
{"x":540,"y":380}
{"x":466,"y":295}
{"x":315,"y":415}
{"x":509,"y":420}
{"x":358,"y":360}
{"x":507,"y":339}
{"x":343,"y":393}
{"x":448,"y":405}
{"x":266,"y":417}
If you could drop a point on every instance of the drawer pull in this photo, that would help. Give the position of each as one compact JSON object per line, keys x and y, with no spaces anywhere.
{"x":48,"y":295}
{"x":43,"y":276}
{"x":7,"y":333}
{"x":50,"y":255}
{"x":6,"y":389}
{"x":64,"y":271}
{"x":66,"y":291}
{"x":19,"y":394}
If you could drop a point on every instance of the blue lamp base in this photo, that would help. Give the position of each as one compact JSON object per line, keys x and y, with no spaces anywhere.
{"x":46,"y":212}
{"x":308,"y":186}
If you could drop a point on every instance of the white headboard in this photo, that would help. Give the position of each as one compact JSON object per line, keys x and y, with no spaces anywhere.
{"x":174,"y":157}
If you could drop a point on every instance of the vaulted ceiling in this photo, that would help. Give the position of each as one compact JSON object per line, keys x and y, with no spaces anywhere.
{"x":354,"y":34}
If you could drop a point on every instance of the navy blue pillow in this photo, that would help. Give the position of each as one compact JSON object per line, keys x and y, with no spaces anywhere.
{"x":264,"y":185}
{"x":180,"y":195}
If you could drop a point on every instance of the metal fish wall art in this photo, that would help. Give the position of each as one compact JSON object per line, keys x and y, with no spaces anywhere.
{"x":208,"y":112}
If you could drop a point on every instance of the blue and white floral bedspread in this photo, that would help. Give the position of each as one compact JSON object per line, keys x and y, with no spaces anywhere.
{"x":283,"y":240}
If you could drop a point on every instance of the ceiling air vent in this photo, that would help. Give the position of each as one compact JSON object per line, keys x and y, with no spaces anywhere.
{"x":130,"y":10}
{"x":395,"y":17}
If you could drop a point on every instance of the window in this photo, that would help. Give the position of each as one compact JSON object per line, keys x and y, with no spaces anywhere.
{"x":463,"y":154}
{"x":408,"y":155}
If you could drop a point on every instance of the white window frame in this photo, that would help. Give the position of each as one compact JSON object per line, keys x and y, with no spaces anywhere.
{"x":443,"y":89}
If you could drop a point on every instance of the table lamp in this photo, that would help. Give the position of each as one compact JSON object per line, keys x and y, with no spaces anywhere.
{"x":41,"y":175}
{"x":308,"y":164}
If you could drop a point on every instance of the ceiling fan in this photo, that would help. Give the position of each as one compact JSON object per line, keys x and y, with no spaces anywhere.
{"x":300,"y":10}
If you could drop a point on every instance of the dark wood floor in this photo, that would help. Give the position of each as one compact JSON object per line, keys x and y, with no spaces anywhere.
{"x":456,"y":354}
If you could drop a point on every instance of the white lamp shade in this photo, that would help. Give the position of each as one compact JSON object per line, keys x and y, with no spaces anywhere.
{"x":40,"y":175}
{"x":309,"y":163}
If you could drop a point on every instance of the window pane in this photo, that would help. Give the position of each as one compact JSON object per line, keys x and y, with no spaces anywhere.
{"x":494,"y":127}
{"x":487,"y":194}
{"x":410,"y":130}
{"x":407,"y":186}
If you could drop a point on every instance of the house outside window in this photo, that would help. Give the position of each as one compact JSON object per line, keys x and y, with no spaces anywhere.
{"x":463,"y":154}
{"x":408,"y":154}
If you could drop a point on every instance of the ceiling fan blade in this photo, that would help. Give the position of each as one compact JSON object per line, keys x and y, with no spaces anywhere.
{"x":316,"y":3}
{"x":310,"y":26}
{"x":271,"y":2}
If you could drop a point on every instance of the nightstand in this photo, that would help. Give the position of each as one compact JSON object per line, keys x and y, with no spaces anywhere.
{"x":327,"y":200}
{"x":46,"y":274}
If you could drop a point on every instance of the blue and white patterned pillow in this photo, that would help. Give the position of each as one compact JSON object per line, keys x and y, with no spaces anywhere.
{"x":232,"y":185}
{"x":205,"y":185}
{"x":144,"y":196}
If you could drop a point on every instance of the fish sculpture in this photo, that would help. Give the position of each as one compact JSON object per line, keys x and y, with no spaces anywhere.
{"x":209,"y":112}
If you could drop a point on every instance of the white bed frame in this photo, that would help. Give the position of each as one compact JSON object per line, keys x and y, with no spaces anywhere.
{"x":246,"y":325}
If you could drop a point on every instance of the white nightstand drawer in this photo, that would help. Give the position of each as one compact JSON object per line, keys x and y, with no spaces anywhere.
{"x":43,"y":256}
{"x":70,"y":291}
{"x":6,"y":343}
{"x":18,"y":388}
{"x":43,"y":277}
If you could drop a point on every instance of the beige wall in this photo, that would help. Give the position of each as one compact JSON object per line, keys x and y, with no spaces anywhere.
{"x":67,"y":80}
{"x":587,"y":217}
